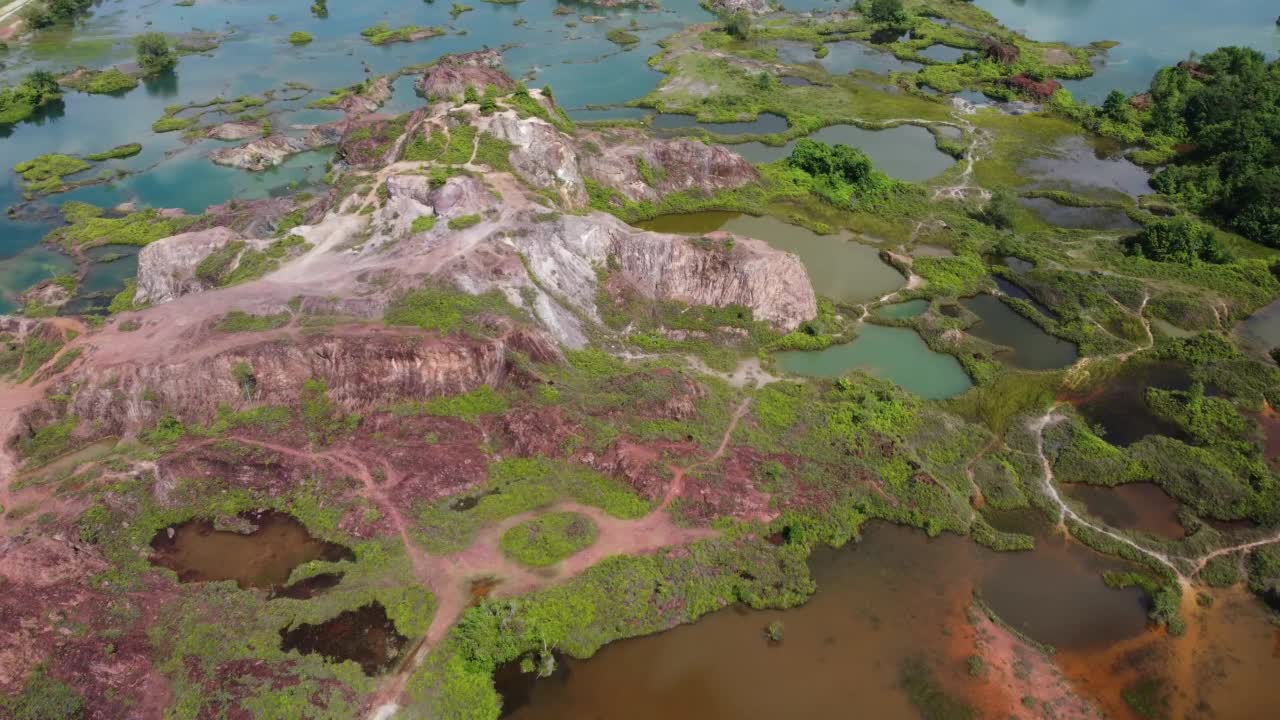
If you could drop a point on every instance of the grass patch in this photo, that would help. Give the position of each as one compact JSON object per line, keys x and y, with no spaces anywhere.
{"x":519,"y":485}
{"x":548,"y":539}
{"x":237,"y":321}
{"x":462,"y":222}
{"x":119,"y":151}
{"x":444,"y":310}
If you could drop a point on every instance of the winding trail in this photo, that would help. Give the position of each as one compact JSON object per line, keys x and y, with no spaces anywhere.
{"x":1065,"y":513}
{"x":449,"y":576}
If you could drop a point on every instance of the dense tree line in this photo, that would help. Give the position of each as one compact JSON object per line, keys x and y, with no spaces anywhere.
{"x":1222,"y":113}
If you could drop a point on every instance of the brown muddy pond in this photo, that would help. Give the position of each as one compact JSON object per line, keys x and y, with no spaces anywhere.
{"x":896,"y":595}
{"x":308,"y":588}
{"x":260,"y":559}
{"x":365,"y":636}
{"x":1134,"y":506}
{"x":1119,"y":406}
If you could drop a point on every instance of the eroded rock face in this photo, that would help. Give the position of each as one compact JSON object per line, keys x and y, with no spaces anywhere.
{"x":370,"y":141}
{"x":249,"y":218}
{"x":411,"y":196}
{"x":453,"y":74}
{"x":166,"y":268}
{"x":327,"y":134}
{"x":373,"y":96}
{"x":268,"y":152}
{"x":462,"y":195}
{"x":235,"y":130}
{"x":565,"y":253}
{"x":260,"y":154}
{"x":542,"y":155}
{"x":641,"y":168}
{"x":360,"y":370}
{"x":47,"y":294}
{"x":755,"y":7}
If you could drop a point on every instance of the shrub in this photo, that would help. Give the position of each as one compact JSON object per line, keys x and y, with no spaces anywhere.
{"x":737,"y":24}
{"x":463,"y":222}
{"x":840,"y":173}
{"x":423,"y":223}
{"x":299,"y":37}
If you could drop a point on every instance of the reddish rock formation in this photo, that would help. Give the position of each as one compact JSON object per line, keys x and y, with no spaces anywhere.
{"x":43,"y":596}
{"x":669,"y":165}
{"x":361,"y":371}
{"x":451,"y":75}
{"x":370,"y":141}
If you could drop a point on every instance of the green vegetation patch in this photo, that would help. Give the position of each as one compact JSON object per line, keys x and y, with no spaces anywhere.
{"x":548,"y":539}
{"x":298,"y":37}
{"x":89,"y":228}
{"x":49,"y":441}
{"x":462,"y":222}
{"x":19,"y":103}
{"x":101,"y":82}
{"x":484,"y":400}
{"x":43,"y":698}
{"x":618,"y":36}
{"x":519,"y":485}
{"x":423,"y":223}
{"x":119,"y":151}
{"x":44,"y":173}
{"x":237,"y":321}
{"x":444,"y":310}
{"x":452,"y":148}
{"x":494,"y":152}
{"x":383,"y":34}
{"x":622,"y":596}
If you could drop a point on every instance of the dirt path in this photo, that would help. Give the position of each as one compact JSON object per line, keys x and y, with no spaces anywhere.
{"x":449,"y":576}
{"x":1065,"y":513}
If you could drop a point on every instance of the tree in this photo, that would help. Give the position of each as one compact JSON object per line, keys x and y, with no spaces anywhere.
{"x":154,"y":54}
{"x":43,"y":86}
{"x":469,"y":94}
{"x":887,"y":11}
{"x":1116,"y":107}
{"x":36,"y":15}
{"x":1224,"y":107}
{"x":1178,"y":240}
{"x":737,"y":24}
{"x":839,"y":172}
